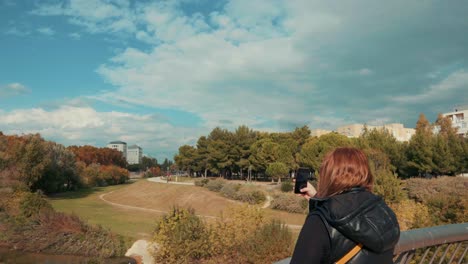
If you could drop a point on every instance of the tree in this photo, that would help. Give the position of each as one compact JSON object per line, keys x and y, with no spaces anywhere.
{"x":276,"y":170}
{"x":385,"y":142}
{"x":148,"y":162}
{"x":313,"y":151}
{"x":31,"y":160}
{"x":243,"y":139}
{"x":420,"y":151}
{"x":185,"y":160}
{"x":202,"y":157}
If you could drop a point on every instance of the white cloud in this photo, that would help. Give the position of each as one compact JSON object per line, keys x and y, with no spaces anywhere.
{"x":365,"y":72}
{"x":258,"y":63}
{"x":17,"y":32}
{"x":46,"y":31}
{"x":455,"y":85}
{"x":96,"y":16}
{"x":13,"y":89}
{"x":75,"y":35}
{"x":72,"y":125}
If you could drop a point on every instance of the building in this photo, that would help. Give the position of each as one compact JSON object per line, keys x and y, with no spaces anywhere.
{"x":319,"y":132}
{"x":459,"y":120}
{"x":397,"y":130}
{"x":120,"y":146}
{"x":134,"y":154}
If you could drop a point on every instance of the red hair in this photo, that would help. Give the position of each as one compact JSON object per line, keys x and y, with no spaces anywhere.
{"x":342,"y":169}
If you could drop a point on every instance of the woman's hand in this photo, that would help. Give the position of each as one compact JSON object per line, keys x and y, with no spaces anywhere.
{"x":308,"y":192}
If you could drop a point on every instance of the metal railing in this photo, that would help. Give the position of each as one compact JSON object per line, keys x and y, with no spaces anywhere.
{"x":438,"y":244}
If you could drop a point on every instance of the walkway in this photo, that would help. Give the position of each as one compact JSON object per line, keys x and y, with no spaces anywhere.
{"x":160,"y":180}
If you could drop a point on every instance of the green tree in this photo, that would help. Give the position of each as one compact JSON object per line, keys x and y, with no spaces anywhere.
{"x":185,"y":160}
{"x":276,"y":170}
{"x":313,"y":151}
{"x":148,"y":162}
{"x":31,"y":158}
{"x":420,"y":150}
{"x":243,"y":139}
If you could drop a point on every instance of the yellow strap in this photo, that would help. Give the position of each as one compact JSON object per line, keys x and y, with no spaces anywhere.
{"x":350,"y":254}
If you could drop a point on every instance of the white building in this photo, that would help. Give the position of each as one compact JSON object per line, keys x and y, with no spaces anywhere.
{"x":396,"y":130}
{"x":120,"y":146}
{"x":134,"y":154}
{"x":459,"y":119}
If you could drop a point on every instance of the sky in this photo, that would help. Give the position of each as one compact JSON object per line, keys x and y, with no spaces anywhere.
{"x":160,"y":74}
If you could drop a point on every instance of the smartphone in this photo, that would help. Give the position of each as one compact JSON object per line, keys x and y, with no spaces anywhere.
{"x":302,"y":175}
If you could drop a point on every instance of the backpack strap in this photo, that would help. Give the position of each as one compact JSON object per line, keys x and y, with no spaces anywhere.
{"x":350,"y":254}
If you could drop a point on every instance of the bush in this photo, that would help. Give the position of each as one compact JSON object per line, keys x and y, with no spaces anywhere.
{"x":251,"y":195}
{"x":182,"y":237}
{"x":201,"y":182}
{"x":215,"y":185}
{"x":33,"y":203}
{"x":34,"y":226}
{"x":411,"y":214}
{"x":287,"y":186}
{"x":230,"y":190}
{"x":242,"y":236}
{"x":290,"y":203}
{"x":445,"y":197}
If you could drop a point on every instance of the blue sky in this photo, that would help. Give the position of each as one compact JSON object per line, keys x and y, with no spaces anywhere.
{"x":162,"y":73}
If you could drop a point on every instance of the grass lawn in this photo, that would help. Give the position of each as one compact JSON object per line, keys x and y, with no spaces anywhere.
{"x":86,"y":204}
{"x":136,"y":223}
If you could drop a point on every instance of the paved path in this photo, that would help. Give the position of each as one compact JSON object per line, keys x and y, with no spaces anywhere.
{"x":160,"y":180}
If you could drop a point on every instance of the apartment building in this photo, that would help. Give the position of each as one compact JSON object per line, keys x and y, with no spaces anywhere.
{"x":120,"y":146}
{"x":459,"y":119}
{"x":134,"y":154}
{"x":397,"y":130}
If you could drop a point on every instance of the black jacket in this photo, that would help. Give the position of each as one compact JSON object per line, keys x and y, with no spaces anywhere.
{"x":355,"y":216}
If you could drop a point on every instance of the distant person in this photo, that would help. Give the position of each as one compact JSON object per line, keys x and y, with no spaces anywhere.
{"x":346,"y":220}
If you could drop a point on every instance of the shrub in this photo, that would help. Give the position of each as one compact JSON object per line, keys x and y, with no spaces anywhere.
{"x":251,"y":195}
{"x":241,"y":236}
{"x":287,"y":186}
{"x":230,"y":190}
{"x":34,"y":226}
{"x":271,"y":242}
{"x":289,"y":202}
{"x":33,"y":203}
{"x":201,"y":182}
{"x":215,"y":185}
{"x":445,"y":197}
{"x":411,"y":214}
{"x":182,"y":237}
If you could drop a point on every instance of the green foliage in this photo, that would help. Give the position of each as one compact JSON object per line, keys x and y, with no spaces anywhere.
{"x":32,"y":204}
{"x":386,"y":183}
{"x":287,"y":186}
{"x":313,"y":151}
{"x":276,"y":170}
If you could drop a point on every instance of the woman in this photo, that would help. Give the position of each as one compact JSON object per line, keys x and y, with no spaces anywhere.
{"x":346,"y":222}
